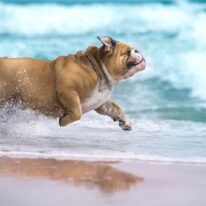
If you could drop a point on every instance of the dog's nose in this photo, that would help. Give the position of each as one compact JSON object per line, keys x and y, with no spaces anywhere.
{"x":138,"y":56}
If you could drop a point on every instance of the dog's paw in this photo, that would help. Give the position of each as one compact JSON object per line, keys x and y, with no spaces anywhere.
{"x":125,"y":125}
{"x":61,"y":121}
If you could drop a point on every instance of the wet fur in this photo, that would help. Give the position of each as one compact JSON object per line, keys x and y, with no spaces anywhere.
{"x":65,"y":87}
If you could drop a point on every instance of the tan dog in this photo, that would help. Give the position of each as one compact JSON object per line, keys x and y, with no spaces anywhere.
{"x":72,"y":85}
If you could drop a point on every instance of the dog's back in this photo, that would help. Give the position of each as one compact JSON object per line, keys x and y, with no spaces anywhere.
{"x":31,"y":80}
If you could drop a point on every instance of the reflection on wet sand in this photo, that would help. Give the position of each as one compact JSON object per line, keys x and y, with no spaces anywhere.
{"x":100,"y":175}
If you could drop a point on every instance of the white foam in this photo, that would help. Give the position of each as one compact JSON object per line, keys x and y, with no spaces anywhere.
{"x":32,"y":20}
{"x":46,"y":19}
{"x":30,"y":135}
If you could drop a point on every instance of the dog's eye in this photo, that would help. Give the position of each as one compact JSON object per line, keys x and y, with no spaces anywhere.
{"x":127,"y":53}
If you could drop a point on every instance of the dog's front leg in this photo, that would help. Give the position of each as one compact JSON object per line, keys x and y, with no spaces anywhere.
{"x":72,"y":107}
{"x":114,"y":111}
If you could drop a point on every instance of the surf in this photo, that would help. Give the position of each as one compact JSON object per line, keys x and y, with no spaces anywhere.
{"x":167,"y":102}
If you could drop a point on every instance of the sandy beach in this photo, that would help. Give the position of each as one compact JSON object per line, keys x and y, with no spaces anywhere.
{"x":39,"y":182}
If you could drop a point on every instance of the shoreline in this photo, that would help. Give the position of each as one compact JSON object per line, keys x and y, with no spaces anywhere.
{"x":108,"y":183}
{"x":98,"y":158}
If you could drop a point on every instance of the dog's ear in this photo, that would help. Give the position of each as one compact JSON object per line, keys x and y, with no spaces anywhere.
{"x":108,"y":42}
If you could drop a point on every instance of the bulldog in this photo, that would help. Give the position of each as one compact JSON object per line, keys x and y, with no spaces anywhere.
{"x":72,"y":85}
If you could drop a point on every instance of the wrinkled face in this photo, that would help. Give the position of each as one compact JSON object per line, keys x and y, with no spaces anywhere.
{"x":121,"y":60}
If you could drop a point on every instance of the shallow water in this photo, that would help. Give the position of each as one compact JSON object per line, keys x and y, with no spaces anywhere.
{"x":167,"y":102}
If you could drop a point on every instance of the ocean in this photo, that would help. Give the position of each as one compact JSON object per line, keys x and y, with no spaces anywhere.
{"x":166,"y":102}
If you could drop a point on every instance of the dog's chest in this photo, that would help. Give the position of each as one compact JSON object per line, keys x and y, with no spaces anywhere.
{"x":96,"y":99}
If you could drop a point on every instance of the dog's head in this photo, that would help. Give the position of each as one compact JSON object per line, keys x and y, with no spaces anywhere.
{"x":121,"y":60}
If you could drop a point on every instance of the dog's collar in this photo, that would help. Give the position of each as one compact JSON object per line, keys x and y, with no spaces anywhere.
{"x":93,"y":66}
{"x":110,"y":80}
{"x":104,"y":80}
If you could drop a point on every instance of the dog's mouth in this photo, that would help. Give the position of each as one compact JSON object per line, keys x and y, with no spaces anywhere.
{"x":130,"y":65}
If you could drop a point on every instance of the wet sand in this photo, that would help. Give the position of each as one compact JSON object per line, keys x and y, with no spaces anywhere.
{"x":41,"y":182}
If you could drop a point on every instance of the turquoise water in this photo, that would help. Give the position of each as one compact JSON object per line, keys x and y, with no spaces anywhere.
{"x":167,"y":102}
